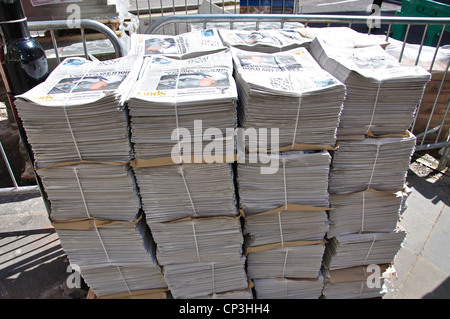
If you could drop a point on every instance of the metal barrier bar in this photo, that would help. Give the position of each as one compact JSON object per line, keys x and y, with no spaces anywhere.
{"x":83,"y":25}
{"x":303,"y":18}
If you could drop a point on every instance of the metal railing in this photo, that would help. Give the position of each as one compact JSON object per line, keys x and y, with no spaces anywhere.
{"x":82,"y":24}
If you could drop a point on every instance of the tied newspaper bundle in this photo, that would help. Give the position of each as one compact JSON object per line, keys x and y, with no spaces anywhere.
{"x":183,"y":46}
{"x":86,"y":190}
{"x":299,"y":223}
{"x":382,"y":94}
{"x":346,"y":251}
{"x":287,"y":288}
{"x":194,"y":190}
{"x":202,"y":257}
{"x":113,"y":257}
{"x":284,"y":234}
{"x":366,"y":211}
{"x":195,"y":240}
{"x":81,"y":154}
{"x":300,"y":177}
{"x":286,"y":262}
{"x":377,"y":163}
{"x":61,"y":116}
{"x":291,"y":92}
{"x":177,"y":99}
{"x":351,"y":283}
{"x":206,"y":280}
{"x":267,"y":41}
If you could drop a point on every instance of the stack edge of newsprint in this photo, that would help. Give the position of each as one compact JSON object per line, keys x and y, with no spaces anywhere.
{"x":78,"y":129}
{"x":186,"y":95}
{"x":368,"y":170}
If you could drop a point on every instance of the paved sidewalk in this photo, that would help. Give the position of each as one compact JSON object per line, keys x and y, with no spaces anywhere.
{"x":423,"y":263}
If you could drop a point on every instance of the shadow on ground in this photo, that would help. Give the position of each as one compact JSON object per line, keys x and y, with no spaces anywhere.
{"x":33,"y":265}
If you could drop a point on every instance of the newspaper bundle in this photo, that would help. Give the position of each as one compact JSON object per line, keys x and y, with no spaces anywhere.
{"x":207,"y":279}
{"x":185,"y":45}
{"x":286,"y":262}
{"x":366,"y":211}
{"x":266,"y":41}
{"x":301,"y":178}
{"x":345,"y":251}
{"x":177,"y":99}
{"x":285,"y":226}
{"x":196,"y":240}
{"x":114,"y":258}
{"x":288,"y":288}
{"x":374,"y":163}
{"x":290,"y":91}
{"x":196,"y":190}
{"x":88,"y":190}
{"x":77,"y":113}
{"x":382,"y":94}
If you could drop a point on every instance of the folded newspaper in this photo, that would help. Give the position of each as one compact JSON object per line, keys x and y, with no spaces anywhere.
{"x":343,"y":36}
{"x":177,"y":99}
{"x":77,"y":113}
{"x":263,"y":41}
{"x":185,"y":45}
{"x":382,"y":94}
{"x":289,"y":91}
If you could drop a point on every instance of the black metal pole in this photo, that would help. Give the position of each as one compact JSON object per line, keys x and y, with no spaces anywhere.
{"x":23,"y":66}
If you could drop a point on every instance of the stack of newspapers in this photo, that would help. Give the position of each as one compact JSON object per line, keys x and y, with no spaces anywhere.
{"x":285,"y":288}
{"x":192,"y":240}
{"x":366,"y":211}
{"x":297,"y":177}
{"x":87,"y":190}
{"x":206,"y":280}
{"x":183,"y":120}
{"x":302,"y":261}
{"x":112,"y":257}
{"x":345,"y":251}
{"x":62,"y":115}
{"x":382,"y":94}
{"x":285,"y":220}
{"x":202,"y":190}
{"x":180,"y":100}
{"x":291,"y":92}
{"x":377,"y":163}
{"x":202,"y":257}
{"x":186,"y":45}
{"x":279,"y":225}
{"x":360,"y":282}
{"x":78,"y":128}
{"x":266,"y":41}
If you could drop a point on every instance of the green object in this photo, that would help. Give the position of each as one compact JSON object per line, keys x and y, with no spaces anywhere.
{"x":422,"y":8}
